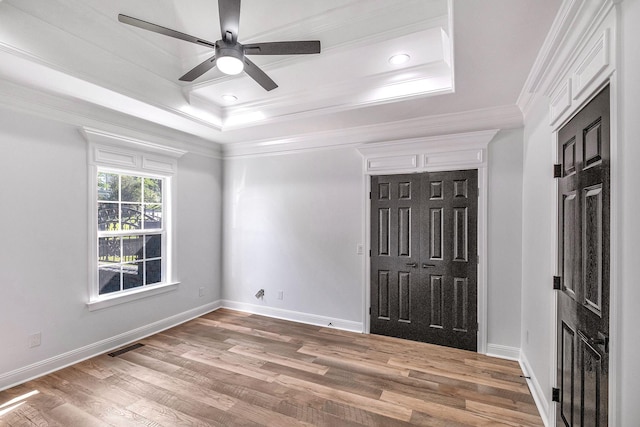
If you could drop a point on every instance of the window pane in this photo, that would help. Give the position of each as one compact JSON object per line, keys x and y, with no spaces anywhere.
{"x":108,"y":250}
{"x":109,"y":279}
{"x":131,"y":275}
{"x":127,"y":202}
{"x":153,"y":246}
{"x":131,"y":188}
{"x":132,"y":248}
{"x":154,"y":272}
{"x":152,"y":216}
{"x":108,"y":217}
{"x":152,"y":190}
{"x":131,"y":216}
{"x":108,"y":186}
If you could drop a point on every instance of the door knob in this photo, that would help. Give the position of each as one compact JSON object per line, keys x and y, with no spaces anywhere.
{"x":428,"y":265}
{"x":412,"y":264}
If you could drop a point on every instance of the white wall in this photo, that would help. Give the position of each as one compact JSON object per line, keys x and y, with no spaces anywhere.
{"x":292,"y":224}
{"x":504,"y":240}
{"x":43,"y":249}
{"x":628,"y":197}
{"x":537,"y":262}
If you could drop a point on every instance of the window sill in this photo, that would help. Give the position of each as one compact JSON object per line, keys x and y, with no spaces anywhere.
{"x":110,"y":301}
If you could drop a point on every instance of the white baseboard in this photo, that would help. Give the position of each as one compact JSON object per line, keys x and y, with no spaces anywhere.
{"x":503,"y":352}
{"x":58,"y":362}
{"x":536,"y":390}
{"x":295,"y":316}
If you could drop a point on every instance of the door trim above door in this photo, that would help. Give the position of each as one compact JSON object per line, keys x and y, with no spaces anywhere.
{"x":430,"y":154}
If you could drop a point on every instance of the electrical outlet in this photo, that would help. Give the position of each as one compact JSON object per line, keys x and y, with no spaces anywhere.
{"x":35,"y":340}
{"x":201,"y":292}
{"x":280,"y":294}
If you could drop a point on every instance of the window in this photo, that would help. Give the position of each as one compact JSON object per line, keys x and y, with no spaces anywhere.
{"x":131,"y":227}
{"x":131,"y":233}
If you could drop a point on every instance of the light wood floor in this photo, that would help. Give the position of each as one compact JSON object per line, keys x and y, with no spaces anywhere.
{"x":234,"y":369}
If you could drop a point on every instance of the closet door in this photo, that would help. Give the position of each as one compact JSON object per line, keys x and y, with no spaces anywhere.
{"x":583,"y":248}
{"x":424,"y":257}
{"x":395,"y":254}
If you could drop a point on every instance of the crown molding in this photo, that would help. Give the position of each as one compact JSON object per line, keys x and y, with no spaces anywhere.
{"x":78,"y":113}
{"x":547,"y":54}
{"x":576,"y":22}
{"x":504,"y":117}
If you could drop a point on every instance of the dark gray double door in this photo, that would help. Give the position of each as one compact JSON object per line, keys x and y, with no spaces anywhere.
{"x":424,"y":257}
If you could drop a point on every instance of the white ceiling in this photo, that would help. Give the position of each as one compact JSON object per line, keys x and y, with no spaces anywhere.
{"x":77,"y":49}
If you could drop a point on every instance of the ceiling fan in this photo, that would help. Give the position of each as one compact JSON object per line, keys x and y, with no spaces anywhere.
{"x":230,"y":55}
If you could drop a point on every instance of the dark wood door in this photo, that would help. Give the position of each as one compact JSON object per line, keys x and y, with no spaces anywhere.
{"x":583,"y":238}
{"x":424,"y":257}
{"x":395,"y":253}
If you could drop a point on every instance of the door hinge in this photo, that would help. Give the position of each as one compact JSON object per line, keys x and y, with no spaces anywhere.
{"x":557,"y":171}
{"x":369,"y":252}
{"x":557,"y":283}
{"x":555,"y":394}
{"x":369,"y":310}
{"x":369,"y":195}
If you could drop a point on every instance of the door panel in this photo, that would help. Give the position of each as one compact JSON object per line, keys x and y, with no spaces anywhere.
{"x":567,"y":379}
{"x":436,"y":229}
{"x":453,"y":259}
{"x":404,"y":297}
{"x":394,"y":203}
{"x":437,"y":301}
{"x":569,"y":250}
{"x":583,"y":238}
{"x":460,"y":244}
{"x":384,"y":305}
{"x":424,"y":272}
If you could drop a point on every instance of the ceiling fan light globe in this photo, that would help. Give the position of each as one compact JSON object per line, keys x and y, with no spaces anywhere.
{"x":230,"y":65}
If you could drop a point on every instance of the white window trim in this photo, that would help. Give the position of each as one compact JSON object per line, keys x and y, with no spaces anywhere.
{"x":128,"y":155}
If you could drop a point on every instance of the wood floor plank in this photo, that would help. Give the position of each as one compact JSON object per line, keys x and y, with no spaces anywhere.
{"x":229,"y":368}
{"x":508,"y":415}
{"x":173,"y":385}
{"x":161,"y":405}
{"x":166,"y":416}
{"x":362,"y":402}
{"x":229,"y":364}
{"x":70,"y":415}
{"x":438,"y":410}
{"x":275,"y":358}
{"x":443,"y":371}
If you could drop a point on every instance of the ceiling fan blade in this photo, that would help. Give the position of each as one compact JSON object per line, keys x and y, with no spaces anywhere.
{"x":283,"y":48}
{"x":162,"y":30}
{"x":258,"y":75}
{"x":199,"y":70}
{"x":229,"y":11}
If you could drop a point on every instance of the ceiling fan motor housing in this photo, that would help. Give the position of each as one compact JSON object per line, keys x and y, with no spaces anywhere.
{"x":229,"y":57}
{"x":234,"y":50}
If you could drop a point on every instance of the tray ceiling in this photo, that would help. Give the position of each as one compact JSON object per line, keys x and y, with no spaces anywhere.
{"x":463,"y":56}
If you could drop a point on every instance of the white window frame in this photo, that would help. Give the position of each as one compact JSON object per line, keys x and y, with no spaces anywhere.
{"x":123,"y":155}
